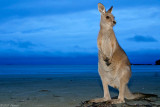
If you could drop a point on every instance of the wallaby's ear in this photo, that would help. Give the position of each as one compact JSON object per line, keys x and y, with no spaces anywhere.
{"x":110,"y":10}
{"x":101,"y":8}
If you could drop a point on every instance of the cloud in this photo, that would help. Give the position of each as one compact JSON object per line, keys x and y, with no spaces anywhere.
{"x":55,"y":33}
{"x":19,"y":44}
{"x":144,"y":56}
{"x":58,"y":28}
{"x":139,"y":38}
{"x":27,"y":8}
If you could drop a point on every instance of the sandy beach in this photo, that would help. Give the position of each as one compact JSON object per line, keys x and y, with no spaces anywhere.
{"x":66,"y":89}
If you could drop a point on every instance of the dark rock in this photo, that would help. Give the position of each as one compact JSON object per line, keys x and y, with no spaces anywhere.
{"x":158,"y":62}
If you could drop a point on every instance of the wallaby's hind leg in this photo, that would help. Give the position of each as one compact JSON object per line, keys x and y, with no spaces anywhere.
{"x":123,"y":80}
{"x":106,"y":94}
{"x":128,"y":94}
{"x":121,"y":94}
{"x":105,"y":89}
{"x":121,"y":91}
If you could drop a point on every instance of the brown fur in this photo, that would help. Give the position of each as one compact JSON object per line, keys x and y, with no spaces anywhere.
{"x":113,"y":65}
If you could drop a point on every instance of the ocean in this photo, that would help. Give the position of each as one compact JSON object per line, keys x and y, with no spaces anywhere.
{"x":65,"y":69}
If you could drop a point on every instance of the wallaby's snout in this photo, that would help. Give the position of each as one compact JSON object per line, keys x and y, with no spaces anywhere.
{"x":114,"y":22}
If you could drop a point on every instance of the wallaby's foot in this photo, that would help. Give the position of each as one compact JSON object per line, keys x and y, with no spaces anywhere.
{"x":116,"y":101}
{"x":97,"y":100}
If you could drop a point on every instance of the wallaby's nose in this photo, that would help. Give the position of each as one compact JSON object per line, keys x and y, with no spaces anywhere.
{"x":114,"y":22}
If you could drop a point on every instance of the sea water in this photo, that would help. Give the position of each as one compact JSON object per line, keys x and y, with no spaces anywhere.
{"x":66,"y":69}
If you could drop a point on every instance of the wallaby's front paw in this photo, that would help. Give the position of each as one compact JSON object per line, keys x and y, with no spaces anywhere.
{"x":107,"y":61}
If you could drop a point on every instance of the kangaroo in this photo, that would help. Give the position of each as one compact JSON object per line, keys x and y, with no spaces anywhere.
{"x":113,"y":64}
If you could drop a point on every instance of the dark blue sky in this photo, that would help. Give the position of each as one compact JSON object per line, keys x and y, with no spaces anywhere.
{"x":52,"y":29}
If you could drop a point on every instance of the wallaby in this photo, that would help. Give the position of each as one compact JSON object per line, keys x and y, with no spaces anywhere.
{"x":113,"y":64}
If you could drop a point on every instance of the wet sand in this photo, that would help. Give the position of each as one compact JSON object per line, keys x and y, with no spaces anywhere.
{"x":67,"y":90}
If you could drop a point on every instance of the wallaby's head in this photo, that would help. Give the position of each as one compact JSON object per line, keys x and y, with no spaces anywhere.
{"x":107,"y":19}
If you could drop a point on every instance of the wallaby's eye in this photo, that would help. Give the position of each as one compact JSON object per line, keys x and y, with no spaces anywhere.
{"x":107,"y":17}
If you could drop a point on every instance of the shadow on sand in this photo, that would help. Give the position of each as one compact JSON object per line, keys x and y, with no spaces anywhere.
{"x":149,"y":101}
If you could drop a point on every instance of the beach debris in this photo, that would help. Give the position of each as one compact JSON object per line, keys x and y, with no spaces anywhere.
{"x":153,"y":101}
{"x":44,"y":90}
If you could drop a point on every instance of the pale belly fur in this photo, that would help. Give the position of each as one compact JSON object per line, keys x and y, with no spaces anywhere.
{"x":109,"y":74}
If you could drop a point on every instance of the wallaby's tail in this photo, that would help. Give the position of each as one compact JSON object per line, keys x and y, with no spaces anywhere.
{"x":130,"y":96}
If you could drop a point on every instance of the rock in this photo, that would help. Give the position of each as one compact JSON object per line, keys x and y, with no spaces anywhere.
{"x":158,"y":62}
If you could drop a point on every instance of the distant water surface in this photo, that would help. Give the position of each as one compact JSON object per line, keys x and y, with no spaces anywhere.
{"x":65,"y":69}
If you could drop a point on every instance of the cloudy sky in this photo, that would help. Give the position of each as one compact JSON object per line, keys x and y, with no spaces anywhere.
{"x":69,"y":28}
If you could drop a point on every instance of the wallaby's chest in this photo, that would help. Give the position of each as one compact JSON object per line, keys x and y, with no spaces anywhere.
{"x":104,"y":41}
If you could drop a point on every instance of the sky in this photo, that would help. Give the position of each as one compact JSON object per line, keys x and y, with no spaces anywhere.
{"x":65,"y":31}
